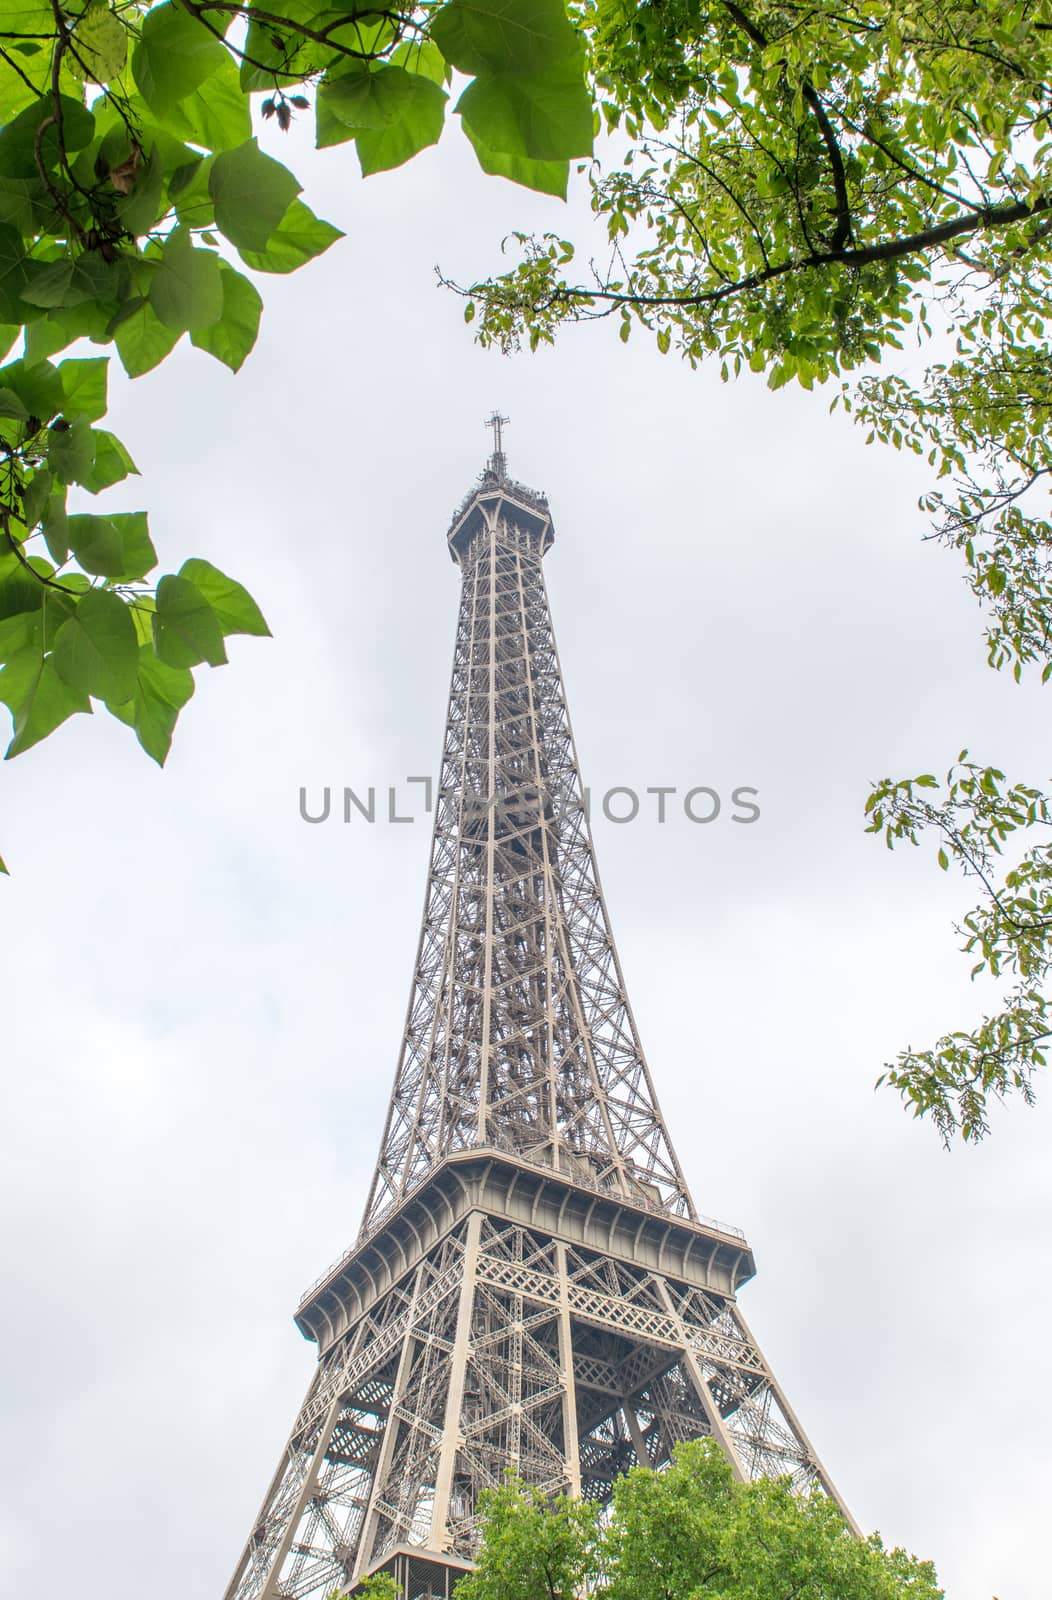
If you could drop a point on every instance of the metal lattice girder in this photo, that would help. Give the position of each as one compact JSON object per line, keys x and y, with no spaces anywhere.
{"x":532,"y":1289}
{"x":503,"y":1348}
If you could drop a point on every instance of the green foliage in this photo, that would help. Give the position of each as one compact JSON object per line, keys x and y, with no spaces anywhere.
{"x":801,"y":185}
{"x":682,"y":1534}
{"x":533,"y":1546}
{"x":973,"y":817}
{"x":377,"y":1586}
{"x":130,"y":183}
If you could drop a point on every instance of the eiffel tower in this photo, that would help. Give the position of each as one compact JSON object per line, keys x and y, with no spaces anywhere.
{"x":532,"y":1288}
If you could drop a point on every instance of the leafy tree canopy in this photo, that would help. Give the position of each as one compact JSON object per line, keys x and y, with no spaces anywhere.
{"x":132,"y":194}
{"x":689,"y":1533}
{"x":803,"y":182}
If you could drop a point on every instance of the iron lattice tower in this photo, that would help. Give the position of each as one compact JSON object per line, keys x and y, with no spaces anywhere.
{"x":532,"y":1287}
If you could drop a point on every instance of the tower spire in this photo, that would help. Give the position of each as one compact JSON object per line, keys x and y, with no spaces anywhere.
{"x":498,"y":463}
{"x":532,"y":1289}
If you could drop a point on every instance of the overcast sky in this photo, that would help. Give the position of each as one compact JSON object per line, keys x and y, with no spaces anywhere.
{"x":204,"y":995}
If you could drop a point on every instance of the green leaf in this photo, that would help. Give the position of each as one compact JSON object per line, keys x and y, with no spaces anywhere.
{"x":32,"y":136}
{"x":234,"y":607}
{"x":38,"y":385}
{"x":174,"y":56}
{"x":186,"y":290}
{"x":300,"y":237}
{"x":11,"y":406}
{"x":84,"y":387}
{"x":505,"y":36}
{"x":216,"y":116}
{"x":544,"y":177}
{"x":143,"y":340}
{"x":117,"y":546}
{"x":24,"y":629}
{"x":71,"y":451}
{"x":100,"y":42}
{"x":251,"y":193}
{"x":50,"y":283}
{"x":546,"y":117}
{"x":16,"y":202}
{"x":14,"y":275}
{"x":56,"y":529}
{"x":97,"y":544}
{"x":186,"y":630}
{"x":38,"y":699}
{"x":138,"y":556}
{"x":423,"y":57}
{"x":367,"y":94}
{"x":233,"y":336}
{"x":160,"y":694}
{"x":96,"y":650}
{"x":140,"y":208}
{"x":112,"y":463}
{"x":35,"y":494}
{"x":418,"y":126}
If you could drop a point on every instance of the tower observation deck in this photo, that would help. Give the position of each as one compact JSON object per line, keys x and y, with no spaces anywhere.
{"x":532,"y":1288}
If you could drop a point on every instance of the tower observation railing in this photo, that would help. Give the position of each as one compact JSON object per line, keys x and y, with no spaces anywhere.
{"x":642,"y":1201}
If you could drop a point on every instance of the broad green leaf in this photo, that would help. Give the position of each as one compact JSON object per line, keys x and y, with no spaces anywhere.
{"x":100,"y":42}
{"x":71,"y":451}
{"x":328,"y":129}
{"x":96,"y":650}
{"x":143,"y":340}
{"x":96,"y":543}
{"x":234,"y":607}
{"x":279,"y":58}
{"x":505,"y":36}
{"x":20,"y":147}
{"x":138,"y":556}
{"x":19,"y":592}
{"x":45,"y":336}
{"x":251,"y":193}
{"x":16,"y":202}
{"x":160,"y":694}
{"x":51,"y":283}
{"x":37,"y":384}
{"x":423,"y":56}
{"x":216,"y":116}
{"x":35,"y":495}
{"x":38,"y":699}
{"x":21,"y":631}
{"x":232,"y":337}
{"x":112,"y":463}
{"x":14,"y":275}
{"x":367,"y":94}
{"x":8,"y":336}
{"x":140,"y":208}
{"x":84,"y":387}
{"x":174,"y":56}
{"x":117,"y":546}
{"x":188,"y":188}
{"x":56,"y":529}
{"x":300,"y":237}
{"x":142,"y":609}
{"x":546,"y":117}
{"x":11,"y":406}
{"x":186,"y":630}
{"x":418,"y":127}
{"x":545,"y":177}
{"x":186,"y":291}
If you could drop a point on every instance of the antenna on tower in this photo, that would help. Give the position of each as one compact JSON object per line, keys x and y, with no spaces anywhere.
{"x":498,"y":463}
